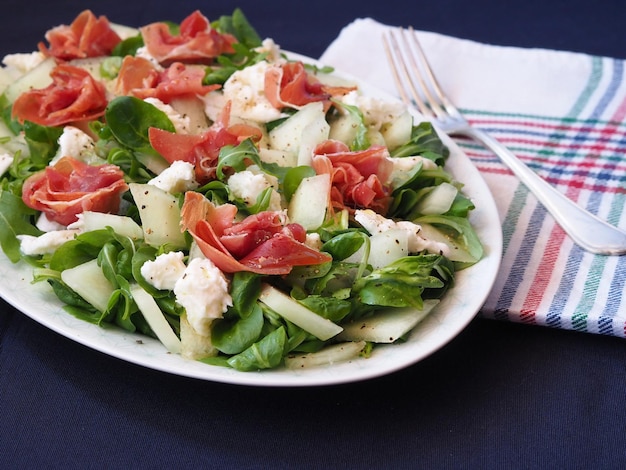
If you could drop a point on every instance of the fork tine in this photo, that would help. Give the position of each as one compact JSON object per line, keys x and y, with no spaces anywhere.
{"x":430,"y":99}
{"x":398,"y":64}
{"x":441,"y":104}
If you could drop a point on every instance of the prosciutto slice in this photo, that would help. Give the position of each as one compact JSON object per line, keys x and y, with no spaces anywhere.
{"x":197,"y":41}
{"x":356,"y":176}
{"x":202,"y":150}
{"x":261,"y":243}
{"x":139,"y":77}
{"x":71,"y":187}
{"x":290,"y":85}
{"x":87,"y":36}
{"x":74,"y":95}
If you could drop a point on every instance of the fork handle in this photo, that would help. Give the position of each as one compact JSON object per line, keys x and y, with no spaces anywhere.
{"x":590,"y":232}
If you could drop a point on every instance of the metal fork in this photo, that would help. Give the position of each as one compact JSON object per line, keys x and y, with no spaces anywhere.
{"x":418,"y":82}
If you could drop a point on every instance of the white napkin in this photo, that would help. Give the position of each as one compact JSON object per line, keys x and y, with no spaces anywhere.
{"x":563,"y":114}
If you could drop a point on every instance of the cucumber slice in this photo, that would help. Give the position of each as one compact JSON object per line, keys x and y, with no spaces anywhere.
{"x":309,"y":202}
{"x":153,"y":315}
{"x":298,"y":314}
{"x":160,"y":215}
{"x":88,"y":281}
{"x":328,"y":356}
{"x":386,"y":326}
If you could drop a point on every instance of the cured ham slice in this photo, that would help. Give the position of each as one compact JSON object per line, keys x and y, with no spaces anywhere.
{"x":202,"y":150}
{"x":74,"y":95}
{"x":87,"y":36}
{"x":289,"y":85}
{"x":197,"y":41}
{"x":262,"y":243}
{"x":71,"y":187}
{"x":139,"y":77}
{"x":356,"y":176}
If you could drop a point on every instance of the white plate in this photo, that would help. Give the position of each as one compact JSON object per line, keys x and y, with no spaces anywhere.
{"x":451,"y":316}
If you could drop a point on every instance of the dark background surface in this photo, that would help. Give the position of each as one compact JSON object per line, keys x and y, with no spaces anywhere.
{"x":498,"y":396}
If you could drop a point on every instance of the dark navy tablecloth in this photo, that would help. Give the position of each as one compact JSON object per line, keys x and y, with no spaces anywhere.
{"x":500,"y":395}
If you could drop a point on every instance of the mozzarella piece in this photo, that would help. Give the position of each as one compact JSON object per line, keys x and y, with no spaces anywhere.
{"x":46,"y":225}
{"x":376,"y":111}
{"x":77,"y":144}
{"x":177,"y":178}
{"x":47,"y":243}
{"x":203,"y":292}
{"x":273,"y":51}
{"x":377,"y":224}
{"x":23,"y":62}
{"x":245,"y":89}
{"x":165,"y":270}
{"x":247,"y":185}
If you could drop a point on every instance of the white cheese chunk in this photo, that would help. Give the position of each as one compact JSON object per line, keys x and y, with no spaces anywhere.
{"x":46,"y":225}
{"x":248,"y":185}
{"x":165,"y":270}
{"x":272,"y":50}
{"x":23,"y":62}
{"x":75,"y":143}
{"x":376,"y":111}
{"x":177,"y":178}
{"x":376,"y":224}
{"x":203,"y":292}
{"x":47,"y":243}
{"x":245,"y":89}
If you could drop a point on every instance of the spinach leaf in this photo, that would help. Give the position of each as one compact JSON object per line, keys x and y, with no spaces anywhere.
{"x":293,"y":178}
{"x":242,"y":324}
{"x":425,"y":142}
{"x":331,"y":308}
{"x":42,"y":142}
{"x":235,"y":333}
{"x":264,"y":354}
{"x":128,"y":46}
{"x":238,"y":25}
{"x":15,"y":219}
{"x":129,"y":119}
{"x":245,"y":53}
{"x":345,"y":244}
{"x":457,"y":229}
{"x":402,"y":283}
{"x":239,"y":156}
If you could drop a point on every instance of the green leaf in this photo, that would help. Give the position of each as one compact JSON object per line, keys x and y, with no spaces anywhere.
{"x":293,"y":178}
{"x":15,"y":219}
{"x":425,"y":142}
{"x":331,"y":308}
{"x":237,"y":157}
{"x":238,"y":25}
{"x":458,"y":229}
{"x":345,"y":244}
{"x":402,"y":283}
{"x":237,"y":333}
{"x":42,"y":142}
{"x":264,"y":354}
{"x":128,"y":46}
{"x":129,"y":119}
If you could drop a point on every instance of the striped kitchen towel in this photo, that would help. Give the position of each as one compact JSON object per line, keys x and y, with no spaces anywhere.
{"x":563,"y":114}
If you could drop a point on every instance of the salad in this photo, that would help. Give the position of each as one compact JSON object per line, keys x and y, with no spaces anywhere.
{"x":247,"y":207}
